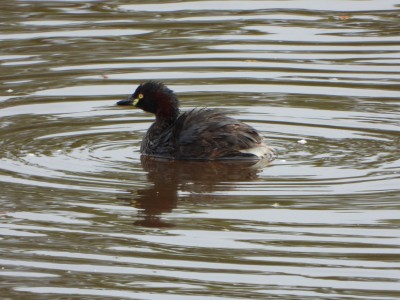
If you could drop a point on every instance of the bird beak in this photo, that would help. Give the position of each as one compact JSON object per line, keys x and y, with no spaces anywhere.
{"x":128,"y":101}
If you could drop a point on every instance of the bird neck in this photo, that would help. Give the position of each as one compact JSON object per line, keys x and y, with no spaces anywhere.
{"x":165,"y":120}
{"x":167,"y":115}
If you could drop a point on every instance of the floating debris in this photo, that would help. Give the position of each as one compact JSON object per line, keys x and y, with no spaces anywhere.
{"x":302,"y":141}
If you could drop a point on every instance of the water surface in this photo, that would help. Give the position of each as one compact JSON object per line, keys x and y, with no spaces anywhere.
{"x":83,"y":216}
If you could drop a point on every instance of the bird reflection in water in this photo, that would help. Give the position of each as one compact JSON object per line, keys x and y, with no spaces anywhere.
{"x":197,"y":180}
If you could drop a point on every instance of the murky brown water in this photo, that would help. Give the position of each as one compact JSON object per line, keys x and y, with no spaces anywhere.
{"x":84,"y":217}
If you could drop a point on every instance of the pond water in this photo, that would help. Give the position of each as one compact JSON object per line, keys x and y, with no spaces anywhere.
{"x":83,"y":216}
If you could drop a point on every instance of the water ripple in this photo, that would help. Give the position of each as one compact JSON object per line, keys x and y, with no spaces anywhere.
{"x":83,"y":215}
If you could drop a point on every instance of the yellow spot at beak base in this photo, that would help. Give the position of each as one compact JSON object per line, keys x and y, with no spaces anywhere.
{"x":135,"y":101}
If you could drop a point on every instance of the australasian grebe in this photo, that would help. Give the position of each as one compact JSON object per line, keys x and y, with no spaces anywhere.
{"x":199,"y":134}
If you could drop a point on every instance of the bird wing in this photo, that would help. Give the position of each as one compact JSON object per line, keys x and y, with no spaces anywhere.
{"x":210,"y":134}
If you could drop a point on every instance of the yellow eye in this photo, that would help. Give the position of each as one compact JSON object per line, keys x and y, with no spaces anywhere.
{"x":140,"y":96}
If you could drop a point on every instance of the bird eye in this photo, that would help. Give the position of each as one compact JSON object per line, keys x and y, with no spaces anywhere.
{"x":140,"y":96}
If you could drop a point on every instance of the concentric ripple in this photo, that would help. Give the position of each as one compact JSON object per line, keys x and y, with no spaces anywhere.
{"x":320,"y":151}
{"x":85,"y":216}
{"x":55,"y":153}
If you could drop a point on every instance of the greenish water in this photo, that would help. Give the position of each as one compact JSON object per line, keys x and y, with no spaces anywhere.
{"x":84,"y":217}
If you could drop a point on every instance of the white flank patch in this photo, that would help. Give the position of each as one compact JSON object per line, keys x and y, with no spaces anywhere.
{"x":261,"y":151}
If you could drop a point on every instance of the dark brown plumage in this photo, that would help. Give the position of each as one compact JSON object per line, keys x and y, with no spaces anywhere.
{"x":202,"y":133}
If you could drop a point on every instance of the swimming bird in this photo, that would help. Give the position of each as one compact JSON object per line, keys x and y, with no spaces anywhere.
{"x":198,"y":134}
